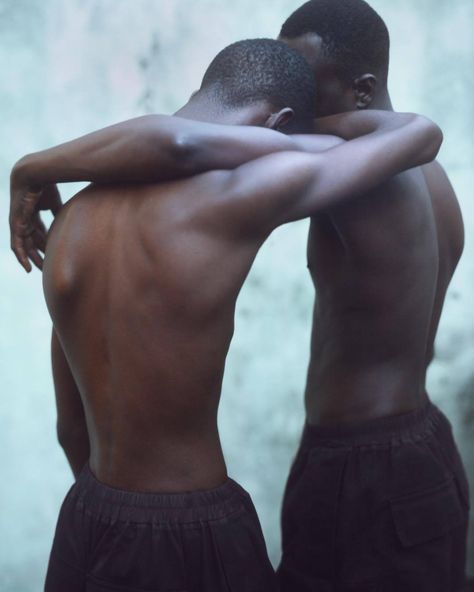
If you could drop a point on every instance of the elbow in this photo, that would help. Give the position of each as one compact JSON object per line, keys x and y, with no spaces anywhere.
{"x":22,"y":171}
{"x":434,"y":139}
{"x":184,"y":153}
{"x":439,"y":141}
{"x":172,"y":145}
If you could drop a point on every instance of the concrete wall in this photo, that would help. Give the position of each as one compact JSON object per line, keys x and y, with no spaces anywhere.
{"x":71,"y":66}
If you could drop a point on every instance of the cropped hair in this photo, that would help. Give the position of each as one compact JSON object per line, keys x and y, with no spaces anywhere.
{"x":262,"y":69}
{"x":353,"y":34}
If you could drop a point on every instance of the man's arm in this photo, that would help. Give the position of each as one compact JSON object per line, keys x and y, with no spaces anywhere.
{"x":148,"y":148}
{"x":71,"y":424}
{"x":289,"y":186}
{"x":145,"y":149}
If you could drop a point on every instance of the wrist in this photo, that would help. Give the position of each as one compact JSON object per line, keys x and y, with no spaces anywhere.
{"x":24,"y":173}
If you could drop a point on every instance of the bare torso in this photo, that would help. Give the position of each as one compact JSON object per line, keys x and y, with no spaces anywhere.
{"x":141,"y":285}
{"x":381,"y":266}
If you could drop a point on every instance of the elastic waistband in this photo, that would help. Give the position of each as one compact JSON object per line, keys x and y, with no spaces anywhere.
{"x":409,"y":426}
{"x":196,"y":506}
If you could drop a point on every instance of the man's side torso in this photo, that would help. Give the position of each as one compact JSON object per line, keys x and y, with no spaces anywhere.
{"x":141,"y":283}
{"x":381,"y":266}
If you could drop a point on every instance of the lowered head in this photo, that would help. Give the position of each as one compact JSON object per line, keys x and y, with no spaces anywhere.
{"x":347,"y":45}
{"x":259,"y":82}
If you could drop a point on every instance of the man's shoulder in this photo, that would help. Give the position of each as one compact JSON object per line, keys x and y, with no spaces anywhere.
{"x":441,"y":191}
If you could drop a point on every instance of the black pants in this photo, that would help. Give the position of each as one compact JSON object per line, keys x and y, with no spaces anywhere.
{"x":112,"y":540}
{"x":381,"y":506}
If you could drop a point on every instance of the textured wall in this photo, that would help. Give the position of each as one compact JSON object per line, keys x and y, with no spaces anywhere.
{"x":71,"y":66}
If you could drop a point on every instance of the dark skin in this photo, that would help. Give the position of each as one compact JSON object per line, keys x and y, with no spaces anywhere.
{"x":71,"y":427}
{"x":381,"y":269}
{"x":376,"y":363}
{"x":142,"y":281}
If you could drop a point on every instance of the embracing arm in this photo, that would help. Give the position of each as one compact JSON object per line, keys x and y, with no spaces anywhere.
{"x":148,"y":148}
{"x":289,"y":186}
{"x":145,"y":149}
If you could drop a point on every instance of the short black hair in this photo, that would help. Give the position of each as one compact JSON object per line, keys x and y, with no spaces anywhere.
{"x":262,"y":69}
{"x":354,"y":36}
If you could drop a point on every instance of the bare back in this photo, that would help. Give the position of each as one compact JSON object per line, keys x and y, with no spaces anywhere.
{"x":141,"y":285}
{"x":381,"y":265}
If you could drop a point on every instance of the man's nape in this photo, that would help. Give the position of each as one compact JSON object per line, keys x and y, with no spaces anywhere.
{"x":262,"y":113}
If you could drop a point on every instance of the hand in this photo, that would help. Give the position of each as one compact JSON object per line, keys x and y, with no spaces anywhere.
{"x":27,"y":231}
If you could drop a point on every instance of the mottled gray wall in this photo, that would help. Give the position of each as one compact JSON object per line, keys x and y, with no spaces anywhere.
{"x":73,"y":65}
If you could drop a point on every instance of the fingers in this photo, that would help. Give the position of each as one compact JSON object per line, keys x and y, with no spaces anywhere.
{"x":23,"y":225}
{"x":20,"y":253}
{"x":39,"y":239}
{"x":25,"y":250}
{"x":32,"y":250}
{"x":36,"y":242}
{"x":35,"y":256}
{"x":27,"y":240}
{"x":40,"y":234}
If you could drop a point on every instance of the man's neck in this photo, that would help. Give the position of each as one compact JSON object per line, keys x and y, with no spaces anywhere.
{"x":382,"y":102}
{"x":206,"y":108}
{"x":200,"y":110}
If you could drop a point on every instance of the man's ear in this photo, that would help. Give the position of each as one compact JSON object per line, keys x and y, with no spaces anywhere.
{"x":364,"y":90}
{"x":278,"y":120}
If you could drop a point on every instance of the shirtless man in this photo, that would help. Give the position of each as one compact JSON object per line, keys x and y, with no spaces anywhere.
{"x":265,"y":183}
{"x":377,"y":497}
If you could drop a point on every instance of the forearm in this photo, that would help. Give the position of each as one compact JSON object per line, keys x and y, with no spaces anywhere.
{"x":75,"y":443}
{"x":415,"y":138}
{"x":149,"y":148}
{"x":402,"y":142}
{"x":359,"y":165}
{"x":145,"y":148}
{"x":356,"y":124}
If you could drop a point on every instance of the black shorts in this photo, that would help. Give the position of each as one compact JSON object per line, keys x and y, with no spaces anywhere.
{"x":112,"y":540}
{"x":381,"y":506}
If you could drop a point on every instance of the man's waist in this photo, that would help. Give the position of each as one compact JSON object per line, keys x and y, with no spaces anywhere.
{"x":344,"y":394}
